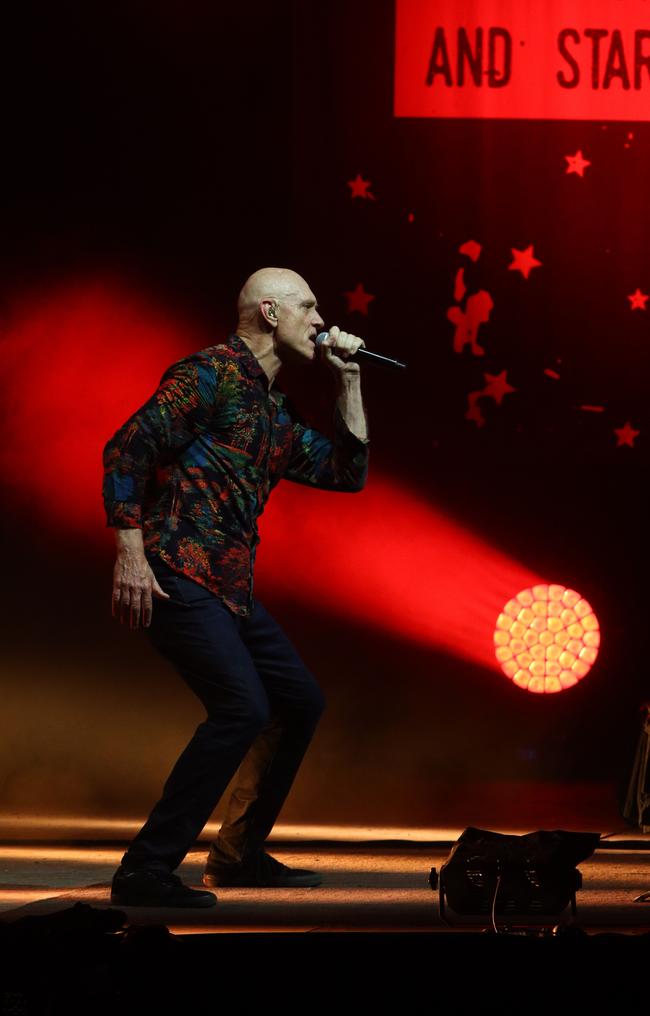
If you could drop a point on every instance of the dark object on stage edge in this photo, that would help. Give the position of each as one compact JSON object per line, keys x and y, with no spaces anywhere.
{"x":637,"y":802}
{"x":489,"y":873}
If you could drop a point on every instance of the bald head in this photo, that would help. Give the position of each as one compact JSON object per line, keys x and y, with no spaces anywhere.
{"x":268,"y":284}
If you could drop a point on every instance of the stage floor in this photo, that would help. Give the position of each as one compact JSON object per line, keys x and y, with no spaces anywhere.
{"x":370,"y":883}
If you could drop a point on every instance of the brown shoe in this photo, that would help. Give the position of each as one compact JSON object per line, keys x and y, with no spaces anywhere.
{"x":259,"y":872}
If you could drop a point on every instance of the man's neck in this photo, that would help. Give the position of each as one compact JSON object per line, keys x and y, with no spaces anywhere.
{"x":261,"y":346}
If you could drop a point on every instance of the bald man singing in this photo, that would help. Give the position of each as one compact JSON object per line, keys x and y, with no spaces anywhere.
{"x":185,"y":480}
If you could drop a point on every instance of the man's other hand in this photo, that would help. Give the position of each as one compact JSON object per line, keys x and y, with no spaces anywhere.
{"x":134,"y":583}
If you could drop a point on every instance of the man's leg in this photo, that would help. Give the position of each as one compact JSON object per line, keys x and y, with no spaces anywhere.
{"x":201,"y":637}
{"x":267,"y":772}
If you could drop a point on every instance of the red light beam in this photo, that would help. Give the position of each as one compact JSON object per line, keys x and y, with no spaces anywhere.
{"x":74,"y":365}
{"x":388,"y":558}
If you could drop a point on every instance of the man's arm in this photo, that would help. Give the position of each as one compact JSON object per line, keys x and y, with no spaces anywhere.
{"x":341,"y":465}
{"x":350,"y":405}
{"x":171,"y":419}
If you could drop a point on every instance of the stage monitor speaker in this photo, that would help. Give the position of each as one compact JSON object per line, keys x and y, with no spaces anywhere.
{"x":489,"y":874}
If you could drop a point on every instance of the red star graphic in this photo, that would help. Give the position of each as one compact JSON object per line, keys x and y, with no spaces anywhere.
{"x":474,"y":410}
{"x":576,"y":163}
{"x":638,"y":300}
{"x":361,"y":188}
{"x":472,"y":249}
{"x":523,"y":261}
{"x":358,"y":299}
{"x":497,"y":386}
{"x":459,"y":285}
{"x":626,"y":435}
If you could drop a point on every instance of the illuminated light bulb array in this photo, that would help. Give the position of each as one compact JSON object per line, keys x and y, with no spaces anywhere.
{"x":547,"y":638}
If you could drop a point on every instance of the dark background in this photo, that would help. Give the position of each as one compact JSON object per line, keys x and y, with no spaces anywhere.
{"x":168,"y":150}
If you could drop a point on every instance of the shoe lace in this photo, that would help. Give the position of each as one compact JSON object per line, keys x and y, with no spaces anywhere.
{"x":163,"y":877}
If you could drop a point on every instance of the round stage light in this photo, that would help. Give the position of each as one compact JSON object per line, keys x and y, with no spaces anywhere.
{"x":546,"y":638}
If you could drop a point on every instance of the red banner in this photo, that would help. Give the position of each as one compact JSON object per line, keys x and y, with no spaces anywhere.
{"x":523,"y":59}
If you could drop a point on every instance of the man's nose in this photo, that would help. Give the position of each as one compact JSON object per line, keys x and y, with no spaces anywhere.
{"x":318,"y":321}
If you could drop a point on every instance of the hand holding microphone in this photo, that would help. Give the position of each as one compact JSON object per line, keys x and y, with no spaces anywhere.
{"x":337,"y":348}
{"x":352,"y":347}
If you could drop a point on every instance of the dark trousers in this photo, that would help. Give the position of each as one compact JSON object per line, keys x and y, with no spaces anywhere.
{"x":262,"y":708}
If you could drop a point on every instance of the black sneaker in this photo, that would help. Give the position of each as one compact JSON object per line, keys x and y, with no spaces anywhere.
{"x":259,"y":872}
{"x":146,"y":887}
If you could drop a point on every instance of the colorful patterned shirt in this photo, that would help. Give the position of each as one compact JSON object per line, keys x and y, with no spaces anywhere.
{"x":194,"y":466}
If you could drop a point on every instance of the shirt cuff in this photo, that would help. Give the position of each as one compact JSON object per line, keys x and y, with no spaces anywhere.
{"x":344,"y":434}
{"x":123,"y":515}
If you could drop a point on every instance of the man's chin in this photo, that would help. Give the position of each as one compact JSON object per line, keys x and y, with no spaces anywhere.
{"x":299,"y":354}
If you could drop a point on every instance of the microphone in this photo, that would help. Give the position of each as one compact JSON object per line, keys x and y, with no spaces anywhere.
{"x":361,"y":353}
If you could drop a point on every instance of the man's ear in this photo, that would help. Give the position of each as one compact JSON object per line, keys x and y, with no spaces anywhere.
{"x":269,"y":311}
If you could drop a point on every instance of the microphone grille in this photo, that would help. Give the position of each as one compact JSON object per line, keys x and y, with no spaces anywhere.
{"x":320,"y":338}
